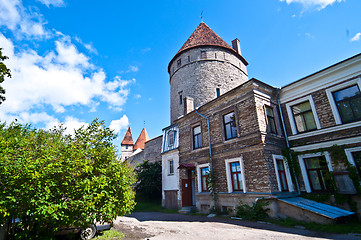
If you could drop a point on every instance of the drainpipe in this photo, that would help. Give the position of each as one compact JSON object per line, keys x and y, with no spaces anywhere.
{"x":286,"y":137}
{"x":210,"y":152}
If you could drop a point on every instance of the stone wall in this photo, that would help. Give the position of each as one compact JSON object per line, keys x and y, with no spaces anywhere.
{"x":198,"y":77}
{"x":253,"y":145}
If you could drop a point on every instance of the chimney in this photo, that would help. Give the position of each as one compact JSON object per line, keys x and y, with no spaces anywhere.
{"x":188,"y":105}
{"x":236,"y":46}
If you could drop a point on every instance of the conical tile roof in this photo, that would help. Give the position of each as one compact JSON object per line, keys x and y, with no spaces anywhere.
{"x":128,"y":139}
{"x":205,"y":36}
{"x":142,"y":139}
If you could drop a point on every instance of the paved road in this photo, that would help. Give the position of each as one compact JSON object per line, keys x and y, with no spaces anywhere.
{"x":169,"y":226}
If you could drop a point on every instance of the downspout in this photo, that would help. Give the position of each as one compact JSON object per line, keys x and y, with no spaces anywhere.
{"x":210,"y":152}
{"x":286,"y":137}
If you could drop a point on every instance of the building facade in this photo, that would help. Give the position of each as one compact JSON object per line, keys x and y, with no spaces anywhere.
{"x":229,"y":137}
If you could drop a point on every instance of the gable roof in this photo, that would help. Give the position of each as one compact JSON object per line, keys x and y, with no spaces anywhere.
{"x":143,"y":137}
{"x":128,"y":139}
{"x":205,"y":36}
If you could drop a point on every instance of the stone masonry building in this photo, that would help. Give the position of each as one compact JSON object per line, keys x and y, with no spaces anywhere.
{"x":231,"y":129}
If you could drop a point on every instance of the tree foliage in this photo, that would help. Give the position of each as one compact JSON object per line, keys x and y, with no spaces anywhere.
{"x":49,"y":180}
{"x":149,"y":179}
{"x":4,"y":72}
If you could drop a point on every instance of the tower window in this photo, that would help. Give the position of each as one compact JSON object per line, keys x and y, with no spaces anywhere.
{"x":189,"y":58}
{"x":218,"y":92}
{"x":215,"y":55}
{"x":180,"y":99}
{"x":203,"y":54}
{"x":179,"y":62}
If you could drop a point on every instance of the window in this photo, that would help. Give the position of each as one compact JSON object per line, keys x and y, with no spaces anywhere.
{"x":357,"y":158}
{"x":204,"y":175}
{"x":348,"y":102}
{"x":171,"y":166}
{"x":282,"y":175}
{"x":303,"y":116}
{"x":189,"y":58}
{"x":236,"y":176}
{"x":230,"y":128}
{"x":171,"y":138}
{"x":179,"y":62}
{"x":218,"y":92}
{"x":316,"y":171}
{"x":180,"y":99}
{"x":271,"y":123}
{"x":203,"y":54}
{"x":354,"y":157}
{"x":126,"y":146}
{"x":215,"y":55}
{"x":197,"y":137}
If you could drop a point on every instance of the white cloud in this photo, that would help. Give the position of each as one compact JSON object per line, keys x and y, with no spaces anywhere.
{"x":309,"y":3}
{"x":55,"y":3}
{"x":61,"y":78}
{"x":23,"y":22}
{"x":119,"y":124}
{"x":133,"y":69}
{"x":356,"y":37}
{"x":137,"y":96}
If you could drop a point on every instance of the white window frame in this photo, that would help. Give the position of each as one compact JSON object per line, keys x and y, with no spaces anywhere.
{"x":331,"y":100}
{"x":349,"y":156}
{"x":291,"y":117}
{"x":199,"y":183}
{"x":228,"y":173}
{"x":287,"y":171}
{"x":168,"y":166}
{"x":303,"y":166}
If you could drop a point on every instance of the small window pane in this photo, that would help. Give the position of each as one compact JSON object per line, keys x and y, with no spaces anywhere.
{"x":235,"y":182}
{"x":197,"y":130}
{"x":346,"y":93}
{"x":303,"y":117}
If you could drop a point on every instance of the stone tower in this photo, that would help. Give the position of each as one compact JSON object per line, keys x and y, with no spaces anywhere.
{"x":204,"y":68}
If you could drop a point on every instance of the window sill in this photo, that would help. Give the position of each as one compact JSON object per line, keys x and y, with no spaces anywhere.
{"x":171,"y":174}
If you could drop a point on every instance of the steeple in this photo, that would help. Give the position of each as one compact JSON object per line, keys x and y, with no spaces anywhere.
{"x":128,"y":139}
{"x":142,"y":139}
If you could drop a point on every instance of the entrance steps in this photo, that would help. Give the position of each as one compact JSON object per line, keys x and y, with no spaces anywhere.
{"x":310,"y":211}
{"x":187,"y":210}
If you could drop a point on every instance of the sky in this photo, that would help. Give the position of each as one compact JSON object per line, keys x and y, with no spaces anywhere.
{"x":76,"y":60}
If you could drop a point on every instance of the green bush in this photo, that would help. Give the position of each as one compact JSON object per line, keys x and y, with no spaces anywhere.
{"x":49,"y":180}
{"x":257,"y":211}
{"x":149,"y":184}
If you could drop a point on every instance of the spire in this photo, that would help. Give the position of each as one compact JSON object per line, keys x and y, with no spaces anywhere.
{"x":128,"y":139}
{"x":142,"y":139}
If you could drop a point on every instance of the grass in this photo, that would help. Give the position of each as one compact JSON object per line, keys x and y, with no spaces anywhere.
{"x":151,"y":206}
{"x":341,"y":228}
{"x":112,"y":234}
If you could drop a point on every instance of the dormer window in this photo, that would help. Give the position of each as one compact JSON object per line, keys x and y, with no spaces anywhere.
{"x":171,"y":136}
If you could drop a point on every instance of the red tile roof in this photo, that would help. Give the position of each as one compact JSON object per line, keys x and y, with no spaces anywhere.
{"x":128,"y":139}
{"x":143,"y":137}
{"x":205,"y":36}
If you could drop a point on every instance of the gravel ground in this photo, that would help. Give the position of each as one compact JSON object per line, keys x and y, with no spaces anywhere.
{"x":166,"y":226}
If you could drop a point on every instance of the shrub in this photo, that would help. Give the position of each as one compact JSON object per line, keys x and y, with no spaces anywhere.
{"x":255,"y":212}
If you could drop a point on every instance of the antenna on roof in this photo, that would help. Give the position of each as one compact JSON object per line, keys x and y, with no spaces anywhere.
{"x":202,"y":16}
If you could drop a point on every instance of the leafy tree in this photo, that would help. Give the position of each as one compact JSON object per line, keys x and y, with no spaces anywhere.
{"x":149,"y":180}
{"x":50,"y":180}
{"x":4,"y":72}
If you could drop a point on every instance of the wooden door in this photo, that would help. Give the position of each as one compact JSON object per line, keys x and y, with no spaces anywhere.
{"x":187,"y":193}
{"x":170,"y":199}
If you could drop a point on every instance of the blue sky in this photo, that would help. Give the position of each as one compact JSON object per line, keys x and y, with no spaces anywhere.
{"x":73,"y":61}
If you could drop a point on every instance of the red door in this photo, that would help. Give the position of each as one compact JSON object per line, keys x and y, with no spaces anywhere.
{"x":187,"y":193}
